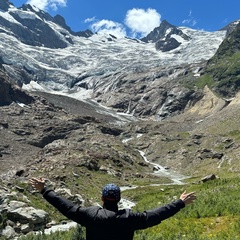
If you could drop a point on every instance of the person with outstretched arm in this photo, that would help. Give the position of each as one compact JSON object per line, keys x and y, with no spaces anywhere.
{"x":108,"y":222}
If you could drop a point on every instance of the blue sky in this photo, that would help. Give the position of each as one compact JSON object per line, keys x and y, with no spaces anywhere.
{"x":136,"y":18}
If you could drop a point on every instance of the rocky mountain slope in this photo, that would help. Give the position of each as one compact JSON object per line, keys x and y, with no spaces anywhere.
{"x":78,"y":148}
{"x":223,"y":67}
{"x":30,"y":123}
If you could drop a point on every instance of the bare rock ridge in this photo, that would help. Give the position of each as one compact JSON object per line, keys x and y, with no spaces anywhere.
{"x":27,"y":31}
{"x":30,"y":123}
{"x":162,"y":37}
{"x":11,"y":93}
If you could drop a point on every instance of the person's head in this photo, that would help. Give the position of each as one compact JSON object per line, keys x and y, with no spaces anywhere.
{"x":111,"y":193}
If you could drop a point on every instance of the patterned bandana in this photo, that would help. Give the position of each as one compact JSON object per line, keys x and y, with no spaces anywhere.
{"x":111,"y":192}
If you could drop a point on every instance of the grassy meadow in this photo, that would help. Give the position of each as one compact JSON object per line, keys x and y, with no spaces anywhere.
{"x":215,"y":214}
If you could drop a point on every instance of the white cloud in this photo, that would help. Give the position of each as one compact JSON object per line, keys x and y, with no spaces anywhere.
{"x":109,"y":27}
{"x":141,"y":22}
{"x":87,"y":20}
{"x":45,"y":4}
{"x":190,"y":21}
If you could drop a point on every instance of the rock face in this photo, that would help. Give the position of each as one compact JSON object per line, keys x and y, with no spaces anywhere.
{"x":230,"y":27}
{"x":32,"y":129}
{"x":4,"y":5}
{"x":163,"y":38}
{"x":168,"y":45}
{"x":11,"y":93}
{"x":22,"y":218}
{"x":223,"y":67}
{"x":34,"y":30}
{"x":151,"y":95}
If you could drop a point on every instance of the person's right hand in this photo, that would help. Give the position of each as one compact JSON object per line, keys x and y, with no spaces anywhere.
{"x":37,"y":183}
{"x":188,"y":198}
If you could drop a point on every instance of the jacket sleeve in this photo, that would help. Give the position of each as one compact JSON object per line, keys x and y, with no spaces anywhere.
{"x":153,"y":217}
{"x":66,"y":207}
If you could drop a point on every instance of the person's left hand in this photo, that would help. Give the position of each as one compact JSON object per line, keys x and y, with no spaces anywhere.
{"x":37,"y":183}
{"x":188,"y":198}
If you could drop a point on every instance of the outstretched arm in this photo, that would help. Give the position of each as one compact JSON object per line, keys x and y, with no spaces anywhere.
{"x":66,"y":207}
{"x":153,"y":217}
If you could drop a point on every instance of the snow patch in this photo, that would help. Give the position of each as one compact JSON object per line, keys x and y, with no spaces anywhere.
{"x":8,"y":17}
{"x":26,"y":14}
{"x":33,"y":86}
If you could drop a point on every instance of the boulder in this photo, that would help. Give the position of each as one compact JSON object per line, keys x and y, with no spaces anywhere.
{"x":29,"y":215}
{"x":208,"y":177}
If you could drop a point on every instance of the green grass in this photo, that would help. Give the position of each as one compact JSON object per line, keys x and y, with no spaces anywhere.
{"x":205,"y":80}
{"x":235,"y":134}
{"x":215,"y":214}
{"x":223,"y":74}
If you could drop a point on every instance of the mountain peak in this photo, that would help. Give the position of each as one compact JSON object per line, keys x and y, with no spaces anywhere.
{"x":230,"y":27}
{"x":166,"y":24}
{"x":158,"y":32}
{"x":5,"y":5}
{"x":35,"y":27}
{"x":165,"y":36}
{"x":61,"y":22}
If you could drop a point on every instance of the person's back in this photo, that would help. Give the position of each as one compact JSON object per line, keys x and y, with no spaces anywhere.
{"x":109,"y":225}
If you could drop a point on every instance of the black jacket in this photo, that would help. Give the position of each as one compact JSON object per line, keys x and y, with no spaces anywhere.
{"x":102,"y":224}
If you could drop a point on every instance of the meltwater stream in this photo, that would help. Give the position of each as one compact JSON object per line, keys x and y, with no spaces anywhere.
{"x":175,"y":177}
